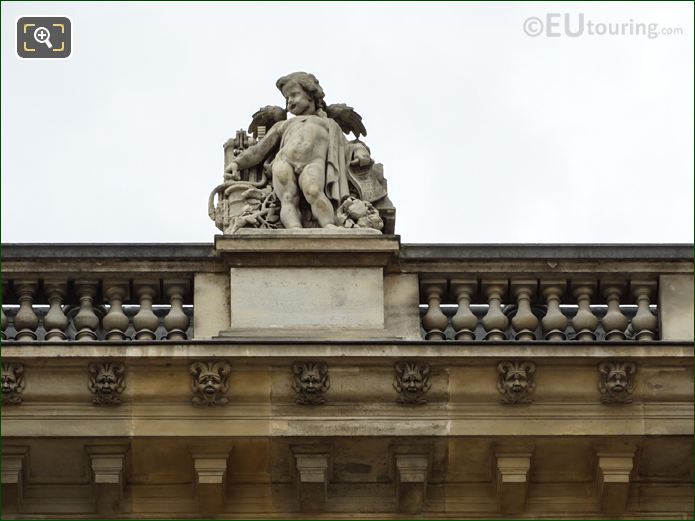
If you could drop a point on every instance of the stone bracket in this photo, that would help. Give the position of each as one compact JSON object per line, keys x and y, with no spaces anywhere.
{"x":410,"y":469}
{"x":313,"y":470}
{"x":107,"y":464}
{"x":411,"y":481}
{"x":15,"y":461}
{"x":613,"y":471}
{"x":511,"y":480}
{"x":210,"y":477}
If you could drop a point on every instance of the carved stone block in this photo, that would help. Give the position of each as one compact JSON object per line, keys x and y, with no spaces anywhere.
{"x":210,"y":382}
{"x":106,"y":382}
{"x":310,"y":382}
{"x":12,"y":383}
{"x":412,"y":381}
{"x":516,"y":381}
{"x":616,"y":382}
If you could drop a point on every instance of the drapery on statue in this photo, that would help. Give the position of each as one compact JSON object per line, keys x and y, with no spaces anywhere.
{"x":317,"y":177}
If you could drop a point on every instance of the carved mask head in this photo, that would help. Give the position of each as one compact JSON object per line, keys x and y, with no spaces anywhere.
{"x":210,"y":379}
{"x":617,"y":381}
{"x":412,"y":379}
{"x":12,"y":378}
{"x":310,"y":378}
{"x":107,"y":378}
{"x":210,"y":383}
{"x":618,"y":377}
{"x":516,"y":381}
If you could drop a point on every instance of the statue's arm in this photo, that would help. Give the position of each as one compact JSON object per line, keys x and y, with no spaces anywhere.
{"x":255,"y":154}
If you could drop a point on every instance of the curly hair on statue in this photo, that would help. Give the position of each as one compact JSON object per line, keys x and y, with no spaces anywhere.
{"x":306,"y":81}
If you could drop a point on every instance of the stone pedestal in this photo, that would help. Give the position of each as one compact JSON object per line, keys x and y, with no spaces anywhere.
{"x":318,"y":284}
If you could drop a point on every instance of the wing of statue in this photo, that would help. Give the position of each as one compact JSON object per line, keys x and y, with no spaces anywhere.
{"x":347,"y":118}
{"x":267,"y":117}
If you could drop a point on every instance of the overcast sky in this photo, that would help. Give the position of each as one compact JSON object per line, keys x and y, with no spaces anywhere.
{"x":486,"y":134}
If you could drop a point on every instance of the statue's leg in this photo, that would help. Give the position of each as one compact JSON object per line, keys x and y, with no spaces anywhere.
{"x":285,"y":186}
{"x":312,"y":181}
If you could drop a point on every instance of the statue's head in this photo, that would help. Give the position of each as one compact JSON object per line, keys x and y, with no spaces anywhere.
{"x":302,"y":93}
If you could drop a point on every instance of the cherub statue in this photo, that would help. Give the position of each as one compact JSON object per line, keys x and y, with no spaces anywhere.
{"x":310,"y":155}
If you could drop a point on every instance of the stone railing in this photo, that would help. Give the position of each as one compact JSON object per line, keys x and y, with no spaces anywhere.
{"x":466,"y":292}
{"x":539,"y":309}
{"x":96,"y":292}
{"x":84,"y":310}
{"x":549,"y":292}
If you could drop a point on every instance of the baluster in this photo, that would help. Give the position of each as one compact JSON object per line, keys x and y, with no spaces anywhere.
{"x":614,"y":322}
{"x":644,"y":322}
{"x":145,"y":321}
{"x":464,"y":321}
{"x":25,"y":321}
{"x":86,"y":320}
{"x":115,"y":322}
{"x":554,"y":322}
{"x":55,"y":322}
{"x":495,"y":322}
{"x":176,"y":322}
{"x":434,"y":321}
{"x":584,"y":322}
{"x":3,"y":317}
{"x":524,"y":322}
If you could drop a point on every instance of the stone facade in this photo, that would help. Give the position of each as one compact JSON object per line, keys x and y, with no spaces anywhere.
{"x":567,"y":394}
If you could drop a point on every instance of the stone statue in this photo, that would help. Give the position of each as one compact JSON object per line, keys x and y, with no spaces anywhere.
{"x":298,"y":172}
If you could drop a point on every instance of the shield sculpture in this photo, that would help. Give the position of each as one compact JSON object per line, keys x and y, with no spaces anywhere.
{"x":369,"y":182}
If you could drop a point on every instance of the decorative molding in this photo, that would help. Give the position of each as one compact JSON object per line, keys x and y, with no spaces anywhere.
{"x":210,"y":382}
{"x":310,"y":382}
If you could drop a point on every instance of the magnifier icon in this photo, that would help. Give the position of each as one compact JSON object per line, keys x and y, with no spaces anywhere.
{"x":43,"y":35}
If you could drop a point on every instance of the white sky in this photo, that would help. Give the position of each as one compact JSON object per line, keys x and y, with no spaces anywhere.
{"x":486,"y":134}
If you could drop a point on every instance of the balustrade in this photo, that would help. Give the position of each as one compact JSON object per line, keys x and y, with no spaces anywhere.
{"x":60,"y":309}
{"x":525,"y":310}
{"x":511,"y":296}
